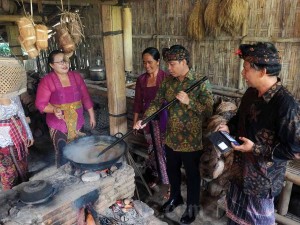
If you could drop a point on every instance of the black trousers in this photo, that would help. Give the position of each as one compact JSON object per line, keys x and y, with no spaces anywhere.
{"x":190,"y":161}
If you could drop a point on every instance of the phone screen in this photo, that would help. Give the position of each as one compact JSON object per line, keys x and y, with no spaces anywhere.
{"x":231,"y":139}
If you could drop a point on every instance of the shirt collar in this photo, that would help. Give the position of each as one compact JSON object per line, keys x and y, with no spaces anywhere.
{"x":190,"y":76}
{"x":272,"y":91}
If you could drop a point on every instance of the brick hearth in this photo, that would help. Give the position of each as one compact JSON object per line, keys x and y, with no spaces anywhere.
{"x":71,"y":194}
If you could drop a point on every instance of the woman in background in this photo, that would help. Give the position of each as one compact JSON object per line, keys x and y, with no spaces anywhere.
{"x":15,"y":134}
{"x":63,"y":95}
{"x":145,"y":91}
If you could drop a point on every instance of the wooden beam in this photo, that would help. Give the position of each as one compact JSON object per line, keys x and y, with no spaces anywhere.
{"x":115,"y":68}
{"x":15,"y":18}
{"x":75,"y":2}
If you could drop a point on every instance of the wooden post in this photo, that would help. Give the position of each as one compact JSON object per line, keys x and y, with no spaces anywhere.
{"x":14,"y":44}
{"x":284,"y":200}
{"x":115,"y":70}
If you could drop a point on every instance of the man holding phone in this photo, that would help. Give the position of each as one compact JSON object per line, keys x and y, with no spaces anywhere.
{"x":268,"y":126}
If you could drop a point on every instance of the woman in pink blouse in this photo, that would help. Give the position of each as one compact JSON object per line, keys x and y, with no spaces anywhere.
{"x":63,"y":95}
{"x":145,"y":91}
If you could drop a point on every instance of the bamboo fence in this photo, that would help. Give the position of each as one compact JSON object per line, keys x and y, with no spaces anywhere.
{"x":277,"y":21}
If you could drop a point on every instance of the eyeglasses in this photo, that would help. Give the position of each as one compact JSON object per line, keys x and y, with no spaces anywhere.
{"x":62,"y":62}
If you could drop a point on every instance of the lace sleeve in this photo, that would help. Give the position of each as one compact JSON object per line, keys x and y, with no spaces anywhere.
{"x":21,"y":114}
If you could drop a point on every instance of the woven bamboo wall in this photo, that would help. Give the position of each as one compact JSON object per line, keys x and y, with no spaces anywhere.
{"x":268,"y":20}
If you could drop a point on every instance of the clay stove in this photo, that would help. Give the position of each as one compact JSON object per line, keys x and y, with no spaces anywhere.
{"x":72,"y":194}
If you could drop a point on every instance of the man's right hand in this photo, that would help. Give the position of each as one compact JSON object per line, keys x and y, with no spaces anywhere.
{"x":138,"y":125}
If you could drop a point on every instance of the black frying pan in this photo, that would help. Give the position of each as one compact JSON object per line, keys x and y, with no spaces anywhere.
{"x":83,"y":152}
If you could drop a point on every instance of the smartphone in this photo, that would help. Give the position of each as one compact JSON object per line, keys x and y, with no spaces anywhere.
{"x":222,"y":140}
{"x":229,"y":138}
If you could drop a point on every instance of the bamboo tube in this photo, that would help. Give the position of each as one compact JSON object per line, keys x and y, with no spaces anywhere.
{"x":127,"y":38}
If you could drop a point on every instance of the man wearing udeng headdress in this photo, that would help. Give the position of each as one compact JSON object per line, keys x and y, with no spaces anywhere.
{"x":184,"y":128}
{"x":267,"y":124}
{"x":15,"y":134}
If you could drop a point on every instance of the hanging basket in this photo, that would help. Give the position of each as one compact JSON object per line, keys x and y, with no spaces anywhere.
{"x":41,"y":37}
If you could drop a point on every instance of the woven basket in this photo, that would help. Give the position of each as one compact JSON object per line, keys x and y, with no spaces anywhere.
{"x":64,"y":39}
{"x":27,"y":31}
{"x":31,"y":50}
{"x":41,"y":37}
{"x":13,"y":80}
{"x":75,"y":31}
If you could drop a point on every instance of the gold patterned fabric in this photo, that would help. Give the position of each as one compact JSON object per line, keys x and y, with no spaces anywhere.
{"x":70,"y":117}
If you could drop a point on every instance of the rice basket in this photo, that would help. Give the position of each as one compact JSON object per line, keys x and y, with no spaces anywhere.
{"x":27,"y":31}
{"x":41,"y":37}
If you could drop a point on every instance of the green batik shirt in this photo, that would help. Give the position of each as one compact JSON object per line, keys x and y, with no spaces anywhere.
{"x":184,"y":126}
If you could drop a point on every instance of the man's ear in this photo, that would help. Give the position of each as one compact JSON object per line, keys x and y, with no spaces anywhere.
{"x":263,"y":72}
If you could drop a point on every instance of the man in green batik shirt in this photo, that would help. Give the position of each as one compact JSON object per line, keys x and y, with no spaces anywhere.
{"x":184,"y":128}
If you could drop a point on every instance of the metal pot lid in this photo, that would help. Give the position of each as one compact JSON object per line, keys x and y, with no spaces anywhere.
{"x":97,"y":69}
{"x":36,"y":191}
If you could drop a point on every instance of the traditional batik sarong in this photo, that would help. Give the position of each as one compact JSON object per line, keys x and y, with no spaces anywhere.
{"x":157,"y":158}
{"x":59,"y":140}
{"x":244,"y":209}
{"x":12,"y":169}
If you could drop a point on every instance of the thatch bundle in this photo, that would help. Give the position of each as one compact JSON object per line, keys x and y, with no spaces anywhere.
{"x":232,"y":14}
{"x":74,"y":25}
{"x":27,"y":31}
{"x":31,"y":50}
{"x":64,"y":39}
{"x":41,"y":37}
{"x":211,"y":18}
{"x":195,"y":26}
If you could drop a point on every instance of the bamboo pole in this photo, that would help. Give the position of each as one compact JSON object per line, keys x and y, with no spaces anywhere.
{"x":244,"y":33}
{"x":15,"y":18}
{"x":293,"y":178}
{"x":127,"y":38}
{"x":284,"y":200}
{"x":284,"y":220}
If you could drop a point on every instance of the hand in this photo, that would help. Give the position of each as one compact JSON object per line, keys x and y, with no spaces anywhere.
{"x":223,"y":127}
{"x":247,"y":145}
{"x":138,"y":125}
{"x":58,"y":113}
{"x":183,"y":97}
{"x":29,"y":143}
{"x":92,"y":122}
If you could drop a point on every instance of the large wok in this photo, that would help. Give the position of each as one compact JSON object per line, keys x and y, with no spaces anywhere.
{"x":83,"y":152}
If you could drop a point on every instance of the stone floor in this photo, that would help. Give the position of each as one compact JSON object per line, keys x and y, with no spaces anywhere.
{"x":42,"y":157}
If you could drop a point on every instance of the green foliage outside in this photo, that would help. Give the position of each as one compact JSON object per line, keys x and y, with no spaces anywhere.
{"x":4,"y":49}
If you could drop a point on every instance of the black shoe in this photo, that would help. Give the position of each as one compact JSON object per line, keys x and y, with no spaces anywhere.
{"x":189,"y":214}
{"x":171,"y":204}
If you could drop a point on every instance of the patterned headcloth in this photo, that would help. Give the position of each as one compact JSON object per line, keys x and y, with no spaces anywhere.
{"x":175,"y":53}
{"x":260,"y":53}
